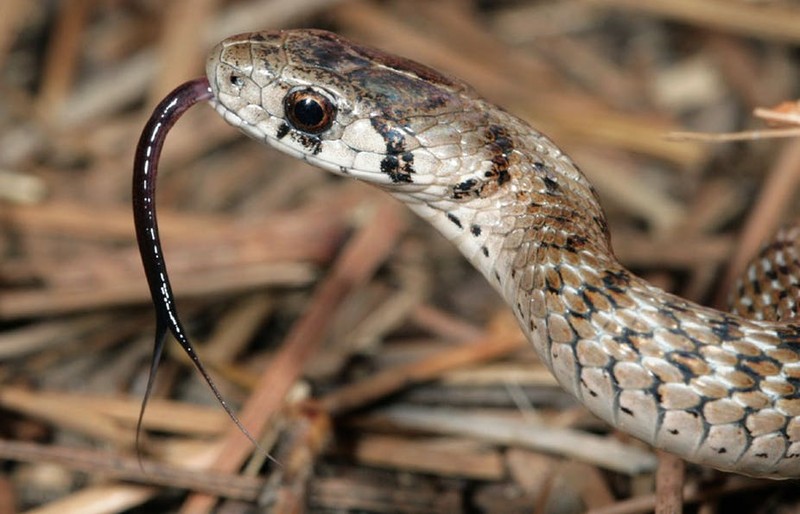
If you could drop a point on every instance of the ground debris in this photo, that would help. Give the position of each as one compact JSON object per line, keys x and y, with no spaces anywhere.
{"x":382,"y":372}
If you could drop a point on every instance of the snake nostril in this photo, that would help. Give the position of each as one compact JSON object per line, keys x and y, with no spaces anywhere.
{"x":236,"y":80}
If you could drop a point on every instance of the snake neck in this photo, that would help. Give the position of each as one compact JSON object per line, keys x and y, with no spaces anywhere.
{"x":512,"y":212}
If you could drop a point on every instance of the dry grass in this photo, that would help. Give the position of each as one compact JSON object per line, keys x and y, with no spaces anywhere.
{"x":383,"y":373}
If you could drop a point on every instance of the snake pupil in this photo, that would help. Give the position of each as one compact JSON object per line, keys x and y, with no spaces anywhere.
{"x":309,"y":111}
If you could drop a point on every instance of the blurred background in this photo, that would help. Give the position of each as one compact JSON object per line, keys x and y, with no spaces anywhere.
{"x":383,"y":372}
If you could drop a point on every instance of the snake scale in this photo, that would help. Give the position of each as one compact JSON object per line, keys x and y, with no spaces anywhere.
{"x":716,"y":388}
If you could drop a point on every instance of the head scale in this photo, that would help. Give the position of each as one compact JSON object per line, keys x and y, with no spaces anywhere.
{"x":350,"y":109}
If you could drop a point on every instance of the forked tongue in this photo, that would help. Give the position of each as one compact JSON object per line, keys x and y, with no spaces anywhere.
{"x":145,"y":171}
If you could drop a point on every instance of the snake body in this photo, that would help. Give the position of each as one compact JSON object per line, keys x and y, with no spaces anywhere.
{"x":713,"y":387}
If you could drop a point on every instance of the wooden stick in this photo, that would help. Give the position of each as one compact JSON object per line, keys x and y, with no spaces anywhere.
{"x":669,"y":484}
{"x":647,"y":503}
{"x":514,"y":430}
{"x":181,"y":49}
{"x":110,"y":465}
{"x":397,"y":378}
{"x":164,"y":415}
{"x":99,"y":499}
{"x":443,"y":456}
{"x":61,"y":63}
{"x":774,"y":22}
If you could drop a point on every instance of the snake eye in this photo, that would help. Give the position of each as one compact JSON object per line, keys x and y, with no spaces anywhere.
{"x":309,"y":110}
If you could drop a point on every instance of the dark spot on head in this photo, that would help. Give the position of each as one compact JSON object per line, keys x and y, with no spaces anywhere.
{"x":762,"y":455}
{"x":282,"y":131}
{"x":551,"y":184}
{"x":476,"y":230}
{"x":392,"y":135}
{"x":503,"y":176}
{"x":499,"y":135}
{"x":626,"y":410}
{"x":391,"y":166}
{"x":722,"y":451}
{"x":452,"y":217}
{"x":311,"y":142}
{"x":673,"y":431}
{"x":466,"y":188}
{"x":485,"y":251}
{"x":500,"y":144}
{"x":395,"y":142}
{"x":398,"y":169}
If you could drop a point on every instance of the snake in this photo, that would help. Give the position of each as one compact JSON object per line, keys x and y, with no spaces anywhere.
{"x":716,"y":388}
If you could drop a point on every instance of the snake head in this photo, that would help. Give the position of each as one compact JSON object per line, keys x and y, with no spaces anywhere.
{"x":349,"y":109}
